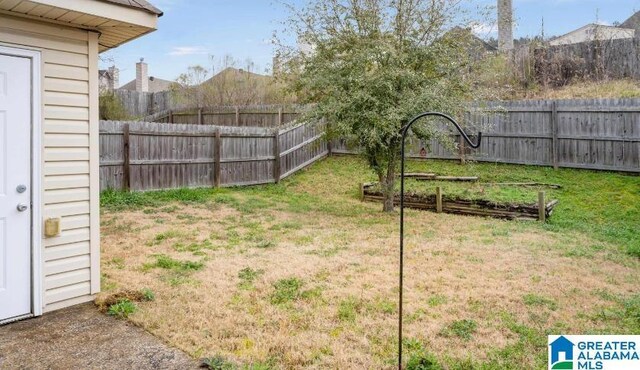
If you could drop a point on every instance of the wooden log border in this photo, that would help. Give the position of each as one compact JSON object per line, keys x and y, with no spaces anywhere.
{"x":439,"y":202}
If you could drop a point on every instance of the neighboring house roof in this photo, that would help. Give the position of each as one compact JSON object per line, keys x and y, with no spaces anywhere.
{"x":231,"y":72}
{"x":474,"y":41}
{"x":592,"y":32}
{"x":104,"y":73}
{"x":155,"y":85}
{"x":138,"y":4}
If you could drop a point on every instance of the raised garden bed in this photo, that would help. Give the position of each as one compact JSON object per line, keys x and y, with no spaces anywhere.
{"x":440,"y":202}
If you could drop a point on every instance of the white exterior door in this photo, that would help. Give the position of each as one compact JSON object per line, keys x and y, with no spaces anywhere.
{"x":15,"y":187}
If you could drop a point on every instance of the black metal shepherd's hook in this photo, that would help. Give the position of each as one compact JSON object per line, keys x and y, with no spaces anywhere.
{"x":405,"y":131}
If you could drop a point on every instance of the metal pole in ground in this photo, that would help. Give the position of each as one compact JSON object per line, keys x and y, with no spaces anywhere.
{"x":405,"y":131}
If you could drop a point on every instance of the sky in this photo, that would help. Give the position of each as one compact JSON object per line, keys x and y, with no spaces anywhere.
{"x":202,"y":32}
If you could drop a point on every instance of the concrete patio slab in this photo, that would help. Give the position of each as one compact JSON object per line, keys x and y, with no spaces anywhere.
{"x":80,"y":337}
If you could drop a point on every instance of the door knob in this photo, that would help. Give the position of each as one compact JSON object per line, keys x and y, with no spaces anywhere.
{"x":22,"y":207}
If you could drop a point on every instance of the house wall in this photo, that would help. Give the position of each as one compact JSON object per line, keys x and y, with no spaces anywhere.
{"x":592,"y":33}
{"x":70,"y":180}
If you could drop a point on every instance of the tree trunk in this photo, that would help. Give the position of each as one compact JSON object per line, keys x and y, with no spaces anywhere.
{"x":388,"y":188}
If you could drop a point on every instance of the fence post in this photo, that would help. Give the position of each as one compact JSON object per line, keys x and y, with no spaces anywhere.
{"x":170,"y":116}
{"x":439,"y":199}
{"x":126,"y":166}
{"x":327,"y":132}
{"x":279,"y":116}
{"x":554,"y":133}
{"x":276,"y":156}
{"x":461,"y":150}
{"x":200,"y":116}
{"x":542,"y":207}
{"x":237,"y":116}
{"x":217,"y":158}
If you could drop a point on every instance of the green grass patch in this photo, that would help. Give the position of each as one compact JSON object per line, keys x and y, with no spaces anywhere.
{"x":436,"y":300}
{"x":123,"y":309}
{"x":179,"y":271}
{"x":286,"y":291}
{"x":623,"y":317}
{"x":248,"y":276}
{"x":197,"y":248}
{"x":217,"y":363}
{"x":119,"y":200}
{"x":148,"y":295}
{"x":221,"y":363}
{"x":463,"y":329}
{"x":167,"y":235}
{"x":539,"y":301}
{"x":382,"y":305}
{"x":348,"y":309}
{"x":418,"y":357}
{"x":169,"y":263}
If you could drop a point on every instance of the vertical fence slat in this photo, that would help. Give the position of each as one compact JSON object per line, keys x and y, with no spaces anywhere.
{"x":276,"y":156}
{"x":217,"y":168}
{"x":554,"y":133}
{"x":126,"y":166}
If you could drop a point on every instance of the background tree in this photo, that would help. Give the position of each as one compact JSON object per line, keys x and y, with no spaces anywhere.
{"x":111,"y":108}
{"x":188,"y":87}
{"x":371,"y":65}
{"x":230,"y":83}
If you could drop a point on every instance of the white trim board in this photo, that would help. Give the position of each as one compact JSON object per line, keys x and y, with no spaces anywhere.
{"x":37,"y":278}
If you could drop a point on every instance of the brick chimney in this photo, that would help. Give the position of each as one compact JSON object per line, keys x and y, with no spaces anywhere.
{"x":505,"y":25}
{"x":114,"y":82}
{"x":142,"y":76}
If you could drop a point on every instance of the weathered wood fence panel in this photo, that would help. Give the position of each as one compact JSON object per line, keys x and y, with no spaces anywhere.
{"x":247,"y":116}
{"x":300,"y":146}
{"x":160,"y":156}
{"x":141,"y":104}
{"x":599,"y":134}
{"x":616,"y":58}
{"x":151,"y":156}
{"x":247,"y":156}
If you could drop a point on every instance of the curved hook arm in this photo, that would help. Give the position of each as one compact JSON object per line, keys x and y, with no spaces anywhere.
{"x":406,"y":128}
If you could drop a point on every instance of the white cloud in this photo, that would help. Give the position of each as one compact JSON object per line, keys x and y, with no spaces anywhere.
{"x":187,"y":50}
{"x":484,"y":29}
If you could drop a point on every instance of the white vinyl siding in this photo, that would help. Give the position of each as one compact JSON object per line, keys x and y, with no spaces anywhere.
{"x":69,"y":266}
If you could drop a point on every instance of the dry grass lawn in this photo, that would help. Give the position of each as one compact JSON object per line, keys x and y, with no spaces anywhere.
{"x":304,"y":275}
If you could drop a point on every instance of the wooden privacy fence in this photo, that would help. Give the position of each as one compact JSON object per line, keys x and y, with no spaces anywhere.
{"x":590,"y":134}
{"x":254,"y":116}
{"x":614,"y":58}
{"x":151,"y":156}
{"x":141,"y":104}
